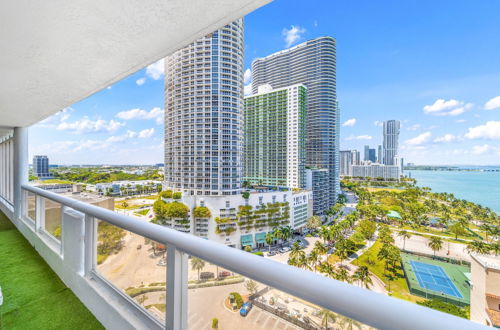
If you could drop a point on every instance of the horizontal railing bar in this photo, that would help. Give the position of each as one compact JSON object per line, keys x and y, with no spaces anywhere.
{"x":360,"y":304}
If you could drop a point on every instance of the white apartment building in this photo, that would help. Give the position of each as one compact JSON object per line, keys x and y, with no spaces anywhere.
{"x":236,"y":221}
{"x":204,"y":114}
{"x":376,"y":170}
{"x":485,"y":290}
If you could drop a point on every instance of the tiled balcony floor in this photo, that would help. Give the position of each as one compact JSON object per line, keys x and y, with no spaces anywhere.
{"x":34,"y":296}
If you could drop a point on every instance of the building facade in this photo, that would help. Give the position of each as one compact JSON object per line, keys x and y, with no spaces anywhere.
{"x":377,"y":171}
{"x":312,"y":63}
{"x":356,"y":158}
{"x":485,"y":290}
{"x":204,"y":114}
{"x":380,"y":156}
{"x":274,"y":144}
{"x":390,"y":140}
{"x":41,"y":167}
{"x":237,"y":221}
{"x":315,"y":181}
{"x":345,"y":162}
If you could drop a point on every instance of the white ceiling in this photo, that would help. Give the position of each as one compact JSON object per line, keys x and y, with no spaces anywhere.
{"x":57,"y":52}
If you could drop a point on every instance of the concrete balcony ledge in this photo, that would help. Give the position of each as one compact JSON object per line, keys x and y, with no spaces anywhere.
{"x":34,"y":297}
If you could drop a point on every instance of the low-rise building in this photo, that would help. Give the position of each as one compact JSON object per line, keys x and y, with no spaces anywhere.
{"x":127,"y":187}
{"x":376,"y":170}
{"x":242,"y":220}
{"x":485,"y":290}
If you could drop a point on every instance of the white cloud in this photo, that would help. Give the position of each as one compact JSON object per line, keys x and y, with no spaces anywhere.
{"x":156,"y":70}
{"x":146,"y":133}
{"x":420,"y":139}
{"x":247,"y":77}
{"x":315,"y":23}
{"x":445,"y":138}
{"x":378,"y":123}
{"x":413,"y":127}
{"x":460,"y":121}
{"x":349,"y":122}
{"x":292,"y":35}
{"x":494,"y":103}
{"x":247,"y":89}
{"x":109,"y":87}
{"x":451,"y":107}
{"x":479,"y":150}
{"x":140,"y":81}
{"x":86,"y":125}
{"x":490,"y":131}
{"x":121,"y":138}
{"x":140,"y":114}
{"x":359,"y":137}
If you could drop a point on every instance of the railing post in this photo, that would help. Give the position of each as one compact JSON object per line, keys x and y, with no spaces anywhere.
{"x":20,"y":167}
{"x":72,"y":239}
{"x":176,"y":314}
{"x":90,"y":242}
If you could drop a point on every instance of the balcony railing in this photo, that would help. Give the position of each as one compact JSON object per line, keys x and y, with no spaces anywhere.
{"x":73,"y":256}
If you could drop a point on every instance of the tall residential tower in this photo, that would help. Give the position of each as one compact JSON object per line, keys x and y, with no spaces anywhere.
{"x":275,"y":126}
{"x":312,"y":63}
{"x":391,"y":139}
{"x":203,"y":114}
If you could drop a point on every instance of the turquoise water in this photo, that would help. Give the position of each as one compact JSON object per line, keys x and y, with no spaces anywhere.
{"x":479,"y":187}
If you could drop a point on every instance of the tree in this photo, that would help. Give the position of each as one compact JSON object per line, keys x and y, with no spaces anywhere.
{"x":197,"y":264}
{"x":326,"y":317}
{"x":435,"y":243}
{"x":320,"y":248}
{"x":285,"y":233}
{"x":124,"y":204}
{"x":347,"y":323}
{"x":367,"y":228}
{"x":344,"y":248}
{"x":405,"y":235}
{"x":269,"y":240}
{"x":478,"y":247}
{"x":343,"y":275}
{"x":362,"y":274}
{"x":215,"y":323}
{"x":251,"y":286}
{"x":457,"y":229}
{"x":313,"y":222}
{"x":295,"y":251}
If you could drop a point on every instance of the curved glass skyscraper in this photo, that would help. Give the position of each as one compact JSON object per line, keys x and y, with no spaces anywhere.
{"x":312,"y":63}
{"x":203,"y":114}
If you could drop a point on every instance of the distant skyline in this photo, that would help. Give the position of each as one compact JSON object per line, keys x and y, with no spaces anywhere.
{"x":432,"y":65}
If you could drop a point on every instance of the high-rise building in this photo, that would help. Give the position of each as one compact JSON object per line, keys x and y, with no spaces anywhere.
{"x":315,"y":181}
{"x":391,"y":138}
{"x":345,"y":162}
{"x":203,"y":114}
{"x":41,"y":167}
{"x":380,"y":156}
{"x":356,"y":157}
{"x":274,"y":144}
{"x":366,"y":153}
{"x":372,"y":155}
{"x":312,"y":63}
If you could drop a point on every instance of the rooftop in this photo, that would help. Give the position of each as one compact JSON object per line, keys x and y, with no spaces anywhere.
{"x":34,"y":296}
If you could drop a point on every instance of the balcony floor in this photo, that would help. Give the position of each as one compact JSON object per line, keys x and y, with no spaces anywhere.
{"x":34,"y":296}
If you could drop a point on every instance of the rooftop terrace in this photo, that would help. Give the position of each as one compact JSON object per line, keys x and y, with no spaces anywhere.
{"x":34,"y":296}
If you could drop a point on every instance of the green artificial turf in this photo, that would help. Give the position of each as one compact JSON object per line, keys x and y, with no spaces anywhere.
{"x":33,"y":295}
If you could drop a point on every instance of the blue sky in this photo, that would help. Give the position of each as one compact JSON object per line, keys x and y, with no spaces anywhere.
{"x":434,"y":65}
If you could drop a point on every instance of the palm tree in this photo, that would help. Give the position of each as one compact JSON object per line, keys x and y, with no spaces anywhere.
{"x":295,"y":251}
{"x":326,"y":317}
{"x":324,"y":233}
{"x":405,"y":235}
{"x":320,"y":248}
{"x":269,"y":240}
{"x":435,"y":243}
{"x":197,"y":264}
{"x":343,"y":275}
{"x":286,"y":233}
{"x":362,"y":274}
{"x":347,"y":323}
{"x":478,"y":247}
{"x":313,"y":260}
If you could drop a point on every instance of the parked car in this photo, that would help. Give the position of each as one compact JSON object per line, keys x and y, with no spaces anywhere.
{"x":245,"y":309}
{"x":271,"y":253}
{"x":206,"y":275}
{"x":224,"y":273}
{"x":284,"y":249}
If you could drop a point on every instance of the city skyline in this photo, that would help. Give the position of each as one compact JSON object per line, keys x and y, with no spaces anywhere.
{"x":447,"y":101}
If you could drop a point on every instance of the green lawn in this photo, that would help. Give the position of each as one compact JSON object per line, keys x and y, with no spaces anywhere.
{"x":34,"y":296}
{"x":399,"y":287}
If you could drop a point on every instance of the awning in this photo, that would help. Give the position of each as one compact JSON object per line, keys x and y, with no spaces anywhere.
{"x":260,"y":238}
{"x":246,"y":240}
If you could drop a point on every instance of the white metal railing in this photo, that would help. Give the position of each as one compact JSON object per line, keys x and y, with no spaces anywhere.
{"x":360,"y":304}
{"x":7,"y":169}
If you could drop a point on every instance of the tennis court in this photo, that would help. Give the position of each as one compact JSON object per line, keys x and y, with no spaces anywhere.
{"x":434,"y":278}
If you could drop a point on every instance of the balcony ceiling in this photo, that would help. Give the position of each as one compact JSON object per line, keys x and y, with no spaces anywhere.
{"x":55,"y":53}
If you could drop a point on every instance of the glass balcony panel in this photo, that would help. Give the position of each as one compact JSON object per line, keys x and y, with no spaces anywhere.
{"x":52,"y":218}
{"x":133,"y":264}
{"x":216,"y":292}
{"x":30,"y":206}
